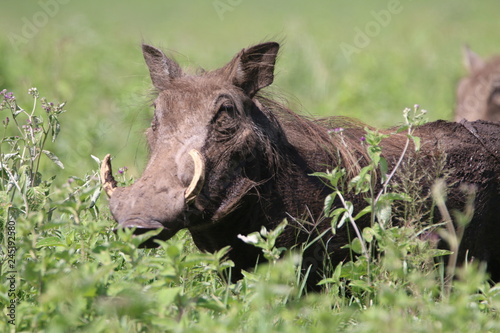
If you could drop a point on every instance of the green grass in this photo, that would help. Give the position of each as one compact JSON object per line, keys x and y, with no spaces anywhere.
{"x":76,"y":275}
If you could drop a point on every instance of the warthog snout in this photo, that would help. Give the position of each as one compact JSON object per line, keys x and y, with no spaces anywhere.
{"x":148,"y":205}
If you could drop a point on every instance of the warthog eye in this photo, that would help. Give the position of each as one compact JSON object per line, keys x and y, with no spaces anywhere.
{"x":224,"y":120}
{"x":154,"y":123}
{"x":227,"y":107}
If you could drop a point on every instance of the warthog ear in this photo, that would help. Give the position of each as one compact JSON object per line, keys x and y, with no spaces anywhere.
{"x":253,"y":69}
{"x":161,"y":68}
{"x":472,"y":61}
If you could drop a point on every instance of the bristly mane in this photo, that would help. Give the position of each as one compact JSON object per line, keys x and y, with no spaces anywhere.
{"x":339,"y":137}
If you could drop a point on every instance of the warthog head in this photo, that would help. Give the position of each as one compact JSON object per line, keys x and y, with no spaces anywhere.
{"x":205,"y":144}
{"x":478,"y":94}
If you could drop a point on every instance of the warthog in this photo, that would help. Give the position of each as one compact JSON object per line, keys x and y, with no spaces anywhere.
{"x":478,"y":94}
{"x":225,"y":161}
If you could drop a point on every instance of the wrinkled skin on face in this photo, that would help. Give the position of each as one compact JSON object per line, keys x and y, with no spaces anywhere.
{"x":478,"y":94}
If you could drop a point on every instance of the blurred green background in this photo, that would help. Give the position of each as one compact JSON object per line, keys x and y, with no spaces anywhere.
{"x":366,"y":59}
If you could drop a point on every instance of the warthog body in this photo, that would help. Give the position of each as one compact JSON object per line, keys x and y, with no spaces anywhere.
{"x":478,"y":94}
{"x":225,"y":161}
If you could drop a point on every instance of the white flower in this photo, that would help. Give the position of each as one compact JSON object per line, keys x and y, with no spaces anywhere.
{"x":250,"y":239}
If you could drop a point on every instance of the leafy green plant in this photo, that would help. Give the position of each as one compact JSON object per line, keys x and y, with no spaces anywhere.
{"x":73,"y":273}
{"x":365,"y":183}
{"x":400,"y":249}
{"x":25,"y":133}
{"x":23,"y":190}
{"x":266,"y":240}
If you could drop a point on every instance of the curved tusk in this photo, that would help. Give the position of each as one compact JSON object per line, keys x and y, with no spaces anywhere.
{"x":108,"y":181}
{"x":198,"y":178}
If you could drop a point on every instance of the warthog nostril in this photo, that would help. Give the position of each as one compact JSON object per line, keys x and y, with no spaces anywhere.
{"x":140,"y":224}
{"x":142,"y":227}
